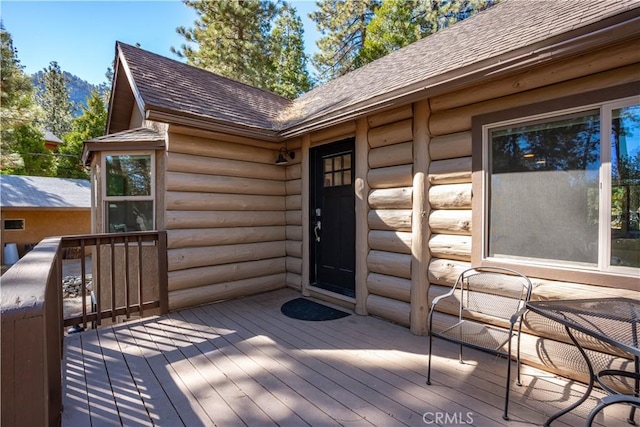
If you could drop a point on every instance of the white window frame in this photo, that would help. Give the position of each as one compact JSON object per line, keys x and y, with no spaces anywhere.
{"x":604,"y":232}
{"x":106,"y":199}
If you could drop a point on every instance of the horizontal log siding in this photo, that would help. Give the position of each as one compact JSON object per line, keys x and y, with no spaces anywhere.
{"x":293,"y":244}
{"x":226,"y":218}
{"x":450,"y":195}
{"x":390,"y":179}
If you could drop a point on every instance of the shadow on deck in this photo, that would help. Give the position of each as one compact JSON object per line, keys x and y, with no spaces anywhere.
{"x":242,"y":362}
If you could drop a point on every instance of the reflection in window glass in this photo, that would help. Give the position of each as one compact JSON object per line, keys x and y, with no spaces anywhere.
{"x":328,"y":179}
{"x":124,"y":216}
{"x":328,"y":165}
{"x":347,"y":161}
{"x":337,"y":170}
{"x":625,"y":186}
{"x":346,"y":180}
{"x":128,"y":175}
{"x":543,"y":200}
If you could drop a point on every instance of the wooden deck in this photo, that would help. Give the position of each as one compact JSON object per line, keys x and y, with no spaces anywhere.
{"x":242,"y":362}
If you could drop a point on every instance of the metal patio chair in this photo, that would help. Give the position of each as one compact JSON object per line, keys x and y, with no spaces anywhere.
{"x":487,"y":291}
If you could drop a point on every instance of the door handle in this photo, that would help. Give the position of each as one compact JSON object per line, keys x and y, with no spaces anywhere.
{"x":316,"y":229}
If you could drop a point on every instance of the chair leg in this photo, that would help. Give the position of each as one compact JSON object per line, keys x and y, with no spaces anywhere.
{"x":505,"y":416}
{"x":460,"y":354}
{"x":518,"y":359}
{"x":429,"y":364}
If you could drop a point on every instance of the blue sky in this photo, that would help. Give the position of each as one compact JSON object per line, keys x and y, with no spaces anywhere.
{"x":81,"y":35}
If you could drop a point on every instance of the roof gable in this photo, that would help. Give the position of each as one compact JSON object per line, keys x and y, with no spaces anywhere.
{"x":168,"y":85}
{"x":44,"y":192}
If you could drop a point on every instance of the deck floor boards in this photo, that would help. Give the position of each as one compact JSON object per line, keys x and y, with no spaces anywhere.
{"x":242,"y":362}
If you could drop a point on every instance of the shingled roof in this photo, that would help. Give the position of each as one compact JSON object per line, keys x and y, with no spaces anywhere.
{"x":510,"y":29}
{"x":137,"y":139}
{"x":508,"y":33}
{"x":44,"y":192}
{"x":168,"y":85}
{"x":134,"y":135}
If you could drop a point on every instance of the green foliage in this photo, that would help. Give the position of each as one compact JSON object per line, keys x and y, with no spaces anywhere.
{"x":356,"y":32}
{"x":232,"y":39}
{"x":23,"y":151}
{"x":16,"y":93}
{"x":53,"y":98}
{"x":90,"y":124}
{"x":343,"y":25}
{"x":393,"y":26}
{"x":436,"y":15}
{"x":235,"y":39}
{"x":291,"y":77}
{"x":29,"y":155}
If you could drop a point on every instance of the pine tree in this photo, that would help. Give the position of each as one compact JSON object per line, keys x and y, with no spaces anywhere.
{"x":232,"y":39}
{"x":290,"y":62}
{"x":393,"y":27}
{"x":53,"y":98}
{"x":357,"y":32}
{"x":90,"y":124}
{"x":343,"y":25}
{"x":435,"y":15}
{"x":23,"y":150}
{"x":17,"y":106}
{"x":34,"y":158}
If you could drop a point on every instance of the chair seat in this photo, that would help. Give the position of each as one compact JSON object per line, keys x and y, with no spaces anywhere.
{"x":479,"y":335}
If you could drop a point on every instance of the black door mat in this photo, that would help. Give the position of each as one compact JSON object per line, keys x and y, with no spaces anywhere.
{"x":304,"y":309}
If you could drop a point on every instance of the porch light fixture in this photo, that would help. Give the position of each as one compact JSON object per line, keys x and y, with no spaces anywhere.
{"x":284,"y":155}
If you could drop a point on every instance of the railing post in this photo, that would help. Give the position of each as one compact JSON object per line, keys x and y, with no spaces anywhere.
{"x":54,"y":341}
{"x":30,"y":315}
{"x":163,"y":279}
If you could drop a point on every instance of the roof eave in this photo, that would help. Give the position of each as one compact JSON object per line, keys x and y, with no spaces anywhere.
{"x":209,"y":124}
{"x":46,"y":208}
{"x":90,"y":147}
{"x":564,"y":45}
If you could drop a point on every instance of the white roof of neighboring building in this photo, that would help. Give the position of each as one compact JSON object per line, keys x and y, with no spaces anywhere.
{"x":50,"y":137}
{"x":43,"y":192}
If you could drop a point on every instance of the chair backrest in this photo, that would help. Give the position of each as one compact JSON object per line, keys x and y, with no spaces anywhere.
{"x":493,"y":291}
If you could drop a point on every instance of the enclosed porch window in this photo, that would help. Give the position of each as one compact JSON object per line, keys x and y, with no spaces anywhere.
{"x":129,"y":191}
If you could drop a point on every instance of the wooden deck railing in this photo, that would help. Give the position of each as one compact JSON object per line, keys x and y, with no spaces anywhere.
{"x":32,"y":317}
{"x":120,"y":288}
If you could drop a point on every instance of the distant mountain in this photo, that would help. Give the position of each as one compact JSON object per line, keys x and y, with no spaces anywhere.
{"x":79,"y":90}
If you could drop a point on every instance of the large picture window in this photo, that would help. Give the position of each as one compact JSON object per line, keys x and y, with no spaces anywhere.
{"x":564,"y":188}
{"x":129,"y":192}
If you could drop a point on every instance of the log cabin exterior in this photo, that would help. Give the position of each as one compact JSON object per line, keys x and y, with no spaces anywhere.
{"x":388,"y":167}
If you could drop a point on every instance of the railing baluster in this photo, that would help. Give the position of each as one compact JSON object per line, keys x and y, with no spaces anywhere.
{"x":140,"y":288}
{"x":96,"y":282}
{"x":83,"y":274}
{"x":113,"y":281}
